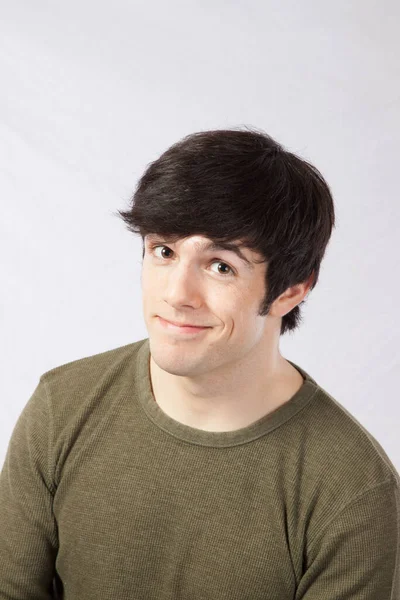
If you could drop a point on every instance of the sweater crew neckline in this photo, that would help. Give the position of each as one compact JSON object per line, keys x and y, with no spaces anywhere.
{"x":258,"y":428}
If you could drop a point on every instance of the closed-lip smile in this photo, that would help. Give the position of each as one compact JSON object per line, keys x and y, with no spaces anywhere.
{"x":183,"y":324}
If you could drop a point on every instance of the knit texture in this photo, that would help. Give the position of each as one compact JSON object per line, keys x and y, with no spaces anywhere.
{"x":103,"y":496}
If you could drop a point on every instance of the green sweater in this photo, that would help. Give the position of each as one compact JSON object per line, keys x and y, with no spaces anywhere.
{"x":103,"y":496}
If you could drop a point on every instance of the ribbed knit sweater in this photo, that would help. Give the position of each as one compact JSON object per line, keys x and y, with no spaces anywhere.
{"x":103,"y":496}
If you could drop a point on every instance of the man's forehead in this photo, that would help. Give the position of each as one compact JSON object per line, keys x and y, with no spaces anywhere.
{"x":196,"y":239}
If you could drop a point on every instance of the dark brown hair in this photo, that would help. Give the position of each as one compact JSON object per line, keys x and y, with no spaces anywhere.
{"x":240,"y":184}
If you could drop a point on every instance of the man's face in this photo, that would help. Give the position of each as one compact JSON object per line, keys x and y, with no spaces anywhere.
{"x":188,"y":283}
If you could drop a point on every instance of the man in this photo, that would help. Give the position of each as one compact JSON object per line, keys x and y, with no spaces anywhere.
{"x":199,"y":463}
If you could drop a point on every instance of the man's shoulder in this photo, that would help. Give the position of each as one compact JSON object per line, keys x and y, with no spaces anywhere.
{"x":336,"y":464}
{"x":345,"y":451}
{"x":92,"y":360}
{"x":76,"y":379}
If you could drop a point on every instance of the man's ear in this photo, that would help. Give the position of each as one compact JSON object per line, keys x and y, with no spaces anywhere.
{"x":291,"y":297}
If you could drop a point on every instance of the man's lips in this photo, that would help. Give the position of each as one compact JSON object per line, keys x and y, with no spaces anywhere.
{"x":183,"y":324}
{"x":182,"y":327}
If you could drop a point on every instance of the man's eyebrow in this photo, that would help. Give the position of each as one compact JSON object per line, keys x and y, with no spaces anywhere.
{"x":214,"y":247}
{"x":230,"y":246}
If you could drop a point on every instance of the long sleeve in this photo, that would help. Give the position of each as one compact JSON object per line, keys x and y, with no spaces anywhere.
{"x":357,"y":555}
{"x":28,"y":531}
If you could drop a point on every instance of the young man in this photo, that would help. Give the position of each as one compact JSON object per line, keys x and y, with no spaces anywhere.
{"x":199,"y":463}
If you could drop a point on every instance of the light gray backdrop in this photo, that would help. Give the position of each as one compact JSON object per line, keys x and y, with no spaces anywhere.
{"x":94,"y":91}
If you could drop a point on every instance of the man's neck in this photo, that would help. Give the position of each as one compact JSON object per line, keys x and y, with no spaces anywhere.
{"x":228,"y":413}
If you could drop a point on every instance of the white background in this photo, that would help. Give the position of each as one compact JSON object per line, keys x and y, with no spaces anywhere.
{"x":92,"y":92}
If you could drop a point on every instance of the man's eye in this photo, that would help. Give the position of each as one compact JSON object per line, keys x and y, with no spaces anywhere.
{"x":154,"y":247}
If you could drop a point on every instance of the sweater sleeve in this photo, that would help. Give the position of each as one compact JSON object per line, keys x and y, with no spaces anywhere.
{"x":357,"y":555}
{"x":28,"y":531}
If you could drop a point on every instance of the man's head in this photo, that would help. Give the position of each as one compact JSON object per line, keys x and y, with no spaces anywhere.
{"x":228,"y":186}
